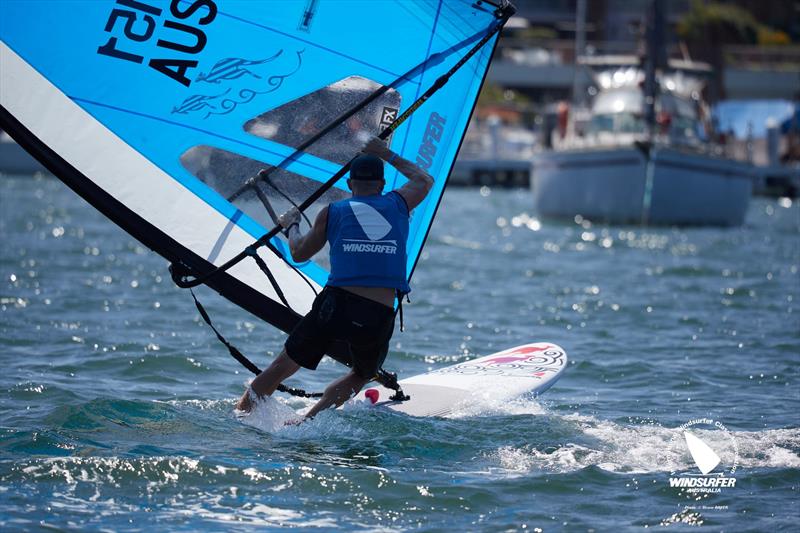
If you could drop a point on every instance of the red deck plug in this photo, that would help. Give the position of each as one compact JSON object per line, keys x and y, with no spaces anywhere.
{"x":372,"y":395}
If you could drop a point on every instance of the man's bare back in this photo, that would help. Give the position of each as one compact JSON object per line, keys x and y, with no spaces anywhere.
{"x":382,"y":295}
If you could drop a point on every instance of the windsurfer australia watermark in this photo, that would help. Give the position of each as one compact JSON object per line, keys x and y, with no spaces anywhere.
{"x":715,"y":454}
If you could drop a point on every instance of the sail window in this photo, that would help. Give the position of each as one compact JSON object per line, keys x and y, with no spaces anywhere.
{"x":294,"y":122}
{"x":226,"y":172}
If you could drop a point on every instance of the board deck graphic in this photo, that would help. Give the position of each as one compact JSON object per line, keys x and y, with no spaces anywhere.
{"x":526,"y":370}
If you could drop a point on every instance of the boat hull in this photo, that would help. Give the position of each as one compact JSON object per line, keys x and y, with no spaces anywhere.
{"x":662,"y":186}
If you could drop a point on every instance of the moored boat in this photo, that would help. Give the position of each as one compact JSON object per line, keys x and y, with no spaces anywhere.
{"x":647,"y":152}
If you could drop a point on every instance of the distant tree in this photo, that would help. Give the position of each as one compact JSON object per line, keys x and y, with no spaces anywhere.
{"x":725,"y":23}
{"x":537,"y":33}
{"x":493,"y":94}
{"x":706,"y":27}
{"x":769,"y":37}
{"x":782,"y":15}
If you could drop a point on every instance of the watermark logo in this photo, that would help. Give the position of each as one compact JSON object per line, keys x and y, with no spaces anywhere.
{"x":715,"y":454}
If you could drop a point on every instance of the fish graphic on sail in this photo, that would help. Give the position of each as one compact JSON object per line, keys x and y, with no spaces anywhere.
{"x":704,"y":457}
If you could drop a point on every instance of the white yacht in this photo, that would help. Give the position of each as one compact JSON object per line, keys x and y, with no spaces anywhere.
{"x":617,"y":168}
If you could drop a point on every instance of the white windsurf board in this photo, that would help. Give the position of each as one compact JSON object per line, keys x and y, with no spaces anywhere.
{"x":526,"y":370}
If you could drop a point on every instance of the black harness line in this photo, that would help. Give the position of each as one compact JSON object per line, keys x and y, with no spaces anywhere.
{"x":266,"y":203}
{"x":252,"y":183}
{"x":239,"y":356}
{"x":387,"y":379}
{"x":252,"y":252}
{"x":264,"y":174}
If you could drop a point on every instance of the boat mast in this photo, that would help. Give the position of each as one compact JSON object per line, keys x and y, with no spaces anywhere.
{"x":578,"y":88}
{"x":655,"y":58}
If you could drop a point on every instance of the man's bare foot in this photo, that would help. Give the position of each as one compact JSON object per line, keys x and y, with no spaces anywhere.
{"x":245,"y":403}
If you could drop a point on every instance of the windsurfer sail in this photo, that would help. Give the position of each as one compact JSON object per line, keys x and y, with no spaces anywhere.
{"x":190,"y":123}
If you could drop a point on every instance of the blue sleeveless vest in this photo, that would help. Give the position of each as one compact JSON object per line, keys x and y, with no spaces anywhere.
{"x":367,"y":237}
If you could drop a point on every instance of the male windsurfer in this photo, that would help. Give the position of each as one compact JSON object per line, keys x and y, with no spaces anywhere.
{"x":367,"y":235}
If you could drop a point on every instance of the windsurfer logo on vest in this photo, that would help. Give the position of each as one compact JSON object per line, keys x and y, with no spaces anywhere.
{"x":375,"y":227}
{"x":713,"y":450}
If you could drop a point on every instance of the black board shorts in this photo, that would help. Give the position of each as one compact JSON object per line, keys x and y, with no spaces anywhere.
{"x":364,"y":325}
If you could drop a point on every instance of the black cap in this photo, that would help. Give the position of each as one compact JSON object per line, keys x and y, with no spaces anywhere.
{"x":366,"y":167}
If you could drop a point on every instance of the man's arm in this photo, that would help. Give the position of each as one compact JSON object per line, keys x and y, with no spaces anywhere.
{"x":419,"y":182}
{"x":303,"y":247}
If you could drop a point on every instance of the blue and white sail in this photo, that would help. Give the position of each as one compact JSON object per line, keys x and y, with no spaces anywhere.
{"x":158,"y":112}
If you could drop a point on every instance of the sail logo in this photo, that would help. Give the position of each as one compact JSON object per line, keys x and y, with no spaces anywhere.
{"x":706,"y":449}
{"x":134,"y":24}
{"x":430,"y":140}
{"x":388,"y":116}
{"x":375,"y":227}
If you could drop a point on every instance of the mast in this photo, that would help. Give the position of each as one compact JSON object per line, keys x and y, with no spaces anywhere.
{"x":654,"y":59}
{"x":578,"y":88}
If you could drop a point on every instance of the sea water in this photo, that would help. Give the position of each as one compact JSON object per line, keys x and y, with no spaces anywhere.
{"x":117,"y":408}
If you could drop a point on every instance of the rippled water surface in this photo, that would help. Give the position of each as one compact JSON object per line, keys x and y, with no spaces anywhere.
{"x":117,"y":401}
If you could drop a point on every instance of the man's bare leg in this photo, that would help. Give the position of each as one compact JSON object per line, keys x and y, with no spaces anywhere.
{"x":268,"y":380}
{"x":338,"y":392}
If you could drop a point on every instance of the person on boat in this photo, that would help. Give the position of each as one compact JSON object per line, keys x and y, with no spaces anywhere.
{"x":367,"y":235}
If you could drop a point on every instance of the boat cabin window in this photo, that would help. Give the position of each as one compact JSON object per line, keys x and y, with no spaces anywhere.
{"x":622,"y":111}
{"x":618,"y":111}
